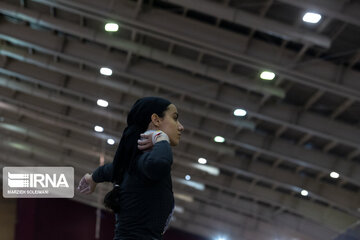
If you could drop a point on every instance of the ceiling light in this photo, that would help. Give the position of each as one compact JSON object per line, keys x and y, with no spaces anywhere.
{"x":240,"y":112}
{"x":304,"y":193}
{"x":179,"y":209}
{"x":111,"y":141}
{"x":202,"y":161}
{"x":98,"y":129}
{"x":334,"y":175}
{"x":266,"y":75}
{"x":18,"y":146}
{"x":205,"y":168}
{"x":187,"y":177}
{"x":193,"y":184}
{"x":219,"y":139}
{"x":111,"y":27}
{"x":311,"y":17}
{"x":106,"y":71}
{"x":102,"y":103}
{"x":220,"y":238}
{"x":184,"y":197}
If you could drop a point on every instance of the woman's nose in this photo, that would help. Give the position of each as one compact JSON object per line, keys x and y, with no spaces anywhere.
{"x":181,"y":127}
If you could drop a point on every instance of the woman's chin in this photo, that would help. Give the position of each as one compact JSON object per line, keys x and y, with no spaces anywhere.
{"x":174,"y":143}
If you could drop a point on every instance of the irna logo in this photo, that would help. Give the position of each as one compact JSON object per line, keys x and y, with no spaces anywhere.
{"x":38,"y":182}
{"x":35,"y":180}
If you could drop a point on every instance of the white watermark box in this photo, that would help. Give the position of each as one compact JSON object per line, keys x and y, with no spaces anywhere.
{"x":38,"y":182}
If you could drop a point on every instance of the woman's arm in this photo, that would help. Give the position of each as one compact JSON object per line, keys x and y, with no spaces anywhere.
{"x":103,"y":173}
{"x":157,"y":163}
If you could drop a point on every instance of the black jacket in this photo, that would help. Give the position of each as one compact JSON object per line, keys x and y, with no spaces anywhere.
{"x":147,"y":200}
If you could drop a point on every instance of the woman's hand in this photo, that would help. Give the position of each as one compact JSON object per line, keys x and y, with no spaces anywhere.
{"x":86,"y":184}
{"x":149,"y":138}
{"x":145,"y":142}
{"x":158,"y":136}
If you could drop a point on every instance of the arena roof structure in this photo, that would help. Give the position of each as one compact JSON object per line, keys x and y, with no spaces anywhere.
{"x":289,"y":163}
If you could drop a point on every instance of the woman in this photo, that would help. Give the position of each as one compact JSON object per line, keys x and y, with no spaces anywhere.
{"x":142,"y":197}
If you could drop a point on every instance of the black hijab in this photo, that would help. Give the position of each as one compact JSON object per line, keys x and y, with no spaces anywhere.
{"x":138,"y":121}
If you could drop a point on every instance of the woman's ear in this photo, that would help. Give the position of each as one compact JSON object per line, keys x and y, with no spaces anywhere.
{"x":155,"y":119}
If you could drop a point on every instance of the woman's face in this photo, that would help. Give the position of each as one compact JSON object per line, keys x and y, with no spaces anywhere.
{"x":171,"y":125}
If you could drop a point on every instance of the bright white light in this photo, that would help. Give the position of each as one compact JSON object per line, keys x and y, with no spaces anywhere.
{"x":219,"y":139}
{"x":98,"y":129}
{"x":202,"y":161}
{"x":240,"y":112}
{"x":266,"y":75}
{"x":106,"y":71}
{"x":187,"y":177}
{"x":311,"y":17}
{"x":221,"y":238}
{"x":304,"y":193}
{"x":334,"y":175}
{"x":111,"y":27}
{"x":179,"y":209}
{"x":205,"y":168}
{"x":111,"y":141}
{"x":196,"y":185}
{"x":102,"y":103}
